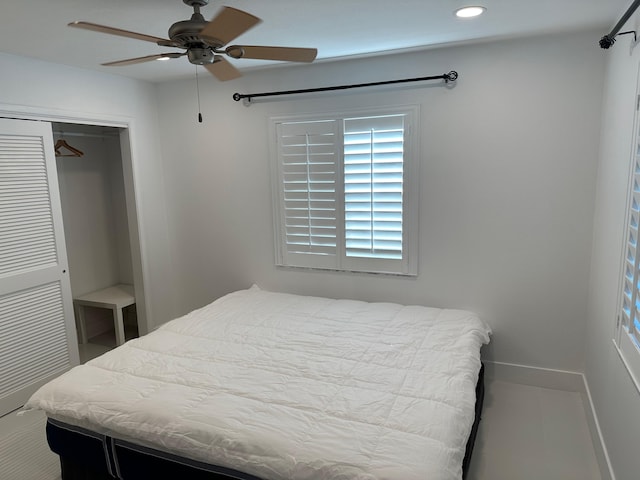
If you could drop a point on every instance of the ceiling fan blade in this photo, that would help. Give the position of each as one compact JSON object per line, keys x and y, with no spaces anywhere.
{"x":223,"y":70}
{"x":287,"y":54}
{"x":228,"y":24}
{"x":148,"y":58}
{"x":116,"y":31}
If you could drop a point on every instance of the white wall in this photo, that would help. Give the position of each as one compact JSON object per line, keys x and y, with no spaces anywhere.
{"x":44,"y":89}
{"x":508,"y":172}
{"x":119,"y":208}
{"x":616,"y":400}
{"x":91,"y":190}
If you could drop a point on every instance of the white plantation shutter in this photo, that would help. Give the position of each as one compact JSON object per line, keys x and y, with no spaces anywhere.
{"x":373,"y":186}
{"x":630,"y":293}
{"x":308,"y":178}
{"x":628,"y":337}
{"x":346,"y":192}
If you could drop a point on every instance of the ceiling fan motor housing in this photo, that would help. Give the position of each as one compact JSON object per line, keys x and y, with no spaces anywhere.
{"x":186,"y":32}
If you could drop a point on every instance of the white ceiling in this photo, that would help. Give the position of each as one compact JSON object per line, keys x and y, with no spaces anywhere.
{"x":337,"y":28}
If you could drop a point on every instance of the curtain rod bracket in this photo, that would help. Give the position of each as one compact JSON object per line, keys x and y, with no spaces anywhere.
{"x":608,"y":40}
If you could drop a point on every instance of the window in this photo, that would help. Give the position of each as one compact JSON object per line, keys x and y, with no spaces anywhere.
{"x":628,"y":335}
{"x":345,"y":191}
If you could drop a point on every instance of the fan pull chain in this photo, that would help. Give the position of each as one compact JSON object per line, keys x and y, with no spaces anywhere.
{"x":198,"y":93}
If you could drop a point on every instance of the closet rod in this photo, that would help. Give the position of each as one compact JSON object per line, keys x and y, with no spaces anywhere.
{"x":452,"y":76}
{"x":83,"y":134}
{"x":609,"y":39}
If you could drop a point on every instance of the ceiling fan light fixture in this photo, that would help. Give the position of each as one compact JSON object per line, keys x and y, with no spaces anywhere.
{"x":470,"y":11}
{"x":200,"y":55}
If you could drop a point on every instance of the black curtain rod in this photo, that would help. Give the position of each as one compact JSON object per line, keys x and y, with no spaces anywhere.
{"x":609,"y":39}
{"x":452,"y":76}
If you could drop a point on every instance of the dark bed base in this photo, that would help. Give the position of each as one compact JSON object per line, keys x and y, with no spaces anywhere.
{"x":476,"y":423}
{"x":85,"y":455}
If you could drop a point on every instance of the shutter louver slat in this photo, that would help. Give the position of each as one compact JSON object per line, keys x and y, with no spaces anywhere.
{"x":631,"y":279}
{"x":373,"y":175}
{"x":632,"y":242}
{"x":308,"y":179}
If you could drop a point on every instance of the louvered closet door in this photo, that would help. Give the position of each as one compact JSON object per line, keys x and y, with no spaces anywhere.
{"x":37,"y":329}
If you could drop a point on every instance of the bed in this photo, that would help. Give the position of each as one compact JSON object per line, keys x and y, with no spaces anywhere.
{"x":274,"y":386}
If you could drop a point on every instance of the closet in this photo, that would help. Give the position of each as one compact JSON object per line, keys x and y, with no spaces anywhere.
{"x":92,"y":196}
{"x":68,"y":226}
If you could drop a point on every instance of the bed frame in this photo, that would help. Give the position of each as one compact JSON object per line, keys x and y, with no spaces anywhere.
{"x":86,"y":455}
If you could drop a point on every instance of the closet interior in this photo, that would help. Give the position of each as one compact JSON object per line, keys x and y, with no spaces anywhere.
{"x":94,"y":211}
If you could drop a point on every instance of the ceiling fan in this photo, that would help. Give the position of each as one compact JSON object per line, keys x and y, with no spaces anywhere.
{"x":204,"y":42}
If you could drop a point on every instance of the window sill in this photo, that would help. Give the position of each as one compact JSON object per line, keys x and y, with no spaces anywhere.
{"x":632,"y":366}
{"x":349,"y":272}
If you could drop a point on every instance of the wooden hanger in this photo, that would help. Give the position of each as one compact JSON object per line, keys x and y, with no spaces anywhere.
{"x":62,"y":144}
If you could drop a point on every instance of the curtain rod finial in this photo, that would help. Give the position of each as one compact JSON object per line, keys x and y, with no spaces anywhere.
{"x":452,"y":76}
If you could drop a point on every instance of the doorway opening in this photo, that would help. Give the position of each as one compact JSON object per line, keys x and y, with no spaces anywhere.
{"x":98,"y":222}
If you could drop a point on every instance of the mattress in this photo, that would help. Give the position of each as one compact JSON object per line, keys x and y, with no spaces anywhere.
{"x":290,"y":387}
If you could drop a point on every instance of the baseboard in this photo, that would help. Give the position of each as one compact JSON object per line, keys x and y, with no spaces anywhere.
{"x":535,"y":376}
{"x":557,"y":380}
{"x":600,"y":448}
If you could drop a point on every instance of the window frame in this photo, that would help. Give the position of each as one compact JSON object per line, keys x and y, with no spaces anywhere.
{"x":627,"y":343}
{"x":408,"y":265}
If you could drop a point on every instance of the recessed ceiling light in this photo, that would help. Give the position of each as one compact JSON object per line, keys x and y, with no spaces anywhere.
{"x":471,"y":11}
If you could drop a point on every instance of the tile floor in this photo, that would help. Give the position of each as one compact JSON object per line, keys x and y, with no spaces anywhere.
{"x":89,"y":351}
{"x":529,"y":433}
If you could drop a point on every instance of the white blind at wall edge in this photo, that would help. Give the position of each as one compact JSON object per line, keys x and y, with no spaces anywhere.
{"x":26,"y":223}
{"x":308,"y":177}
{"x":33,"y":344}
{"x":631,"y":280}
{"x":373,"y":184}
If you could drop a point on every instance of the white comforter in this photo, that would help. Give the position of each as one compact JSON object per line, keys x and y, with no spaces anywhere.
{"x":290,"y":387}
